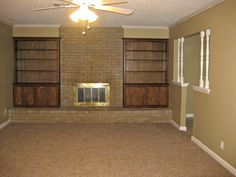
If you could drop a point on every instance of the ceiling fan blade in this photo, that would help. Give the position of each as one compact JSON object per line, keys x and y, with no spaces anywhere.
{"x":59,"y":5}
{"x":56,"y":7}
{"x":113,"y":3}
{"x":68,"y":1}
{"x":47,"y":8}
{"x":114,"y":9}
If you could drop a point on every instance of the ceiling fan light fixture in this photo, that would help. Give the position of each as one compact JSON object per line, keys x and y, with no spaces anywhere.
{"x":83,"y":14}
{"x":92,"y":17}
{"x":75,"y":1}
{"x":83,"y":11}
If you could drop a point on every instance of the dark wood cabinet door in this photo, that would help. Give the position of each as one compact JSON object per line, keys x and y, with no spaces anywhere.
{"x":157,"y":96}
{"x":134,"y":96}
{"x":153,"y":96}
{"x":164,"y":96}
{"x":146,"y":96}
{"x":46,"y":96}
{"x":36,"y":95}
{"x":23,"y":96}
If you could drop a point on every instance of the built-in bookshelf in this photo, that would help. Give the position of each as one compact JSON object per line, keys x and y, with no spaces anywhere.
{"x":145,"y":73}
{"x":37,"y":72}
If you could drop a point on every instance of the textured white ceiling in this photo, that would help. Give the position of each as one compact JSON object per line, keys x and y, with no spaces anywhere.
{"x":146,"y":12}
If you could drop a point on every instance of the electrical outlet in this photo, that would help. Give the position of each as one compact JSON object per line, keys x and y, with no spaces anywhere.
{"x":222,"y":145}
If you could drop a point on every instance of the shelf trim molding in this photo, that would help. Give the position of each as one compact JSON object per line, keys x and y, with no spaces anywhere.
{"x":179,"y":84}
{"x":143,"y":60}
{"x":33,"y":59}
{"x":147,"y":71}
{"x":202,"y":89}
{"x":147,"y":51}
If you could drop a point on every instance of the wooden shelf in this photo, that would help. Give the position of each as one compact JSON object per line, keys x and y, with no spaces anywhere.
{"x":34,"y":59}
{"x":35,"y":83}
{"x":37,"y":72}
{"x":146,"y":84}
{"x":147,"y":51}
{"x":143,"y":60}
{"x":37,"y":49}
{"x":148,"y":71}
{"x":145,"y":73}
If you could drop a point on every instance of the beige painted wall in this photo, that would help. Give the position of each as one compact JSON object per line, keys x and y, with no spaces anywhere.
{"x":151,"y":33}
{"x":191,"y":67}
{"x":5,"y":70}
{"x":36,"y":31}
{"x":178,"y":104}
{"x":215,"y":118}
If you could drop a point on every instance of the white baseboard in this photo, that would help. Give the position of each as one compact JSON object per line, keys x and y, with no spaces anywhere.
{"x":4,"y":124}
{"x":225,"y":164}
{"x":189,"y":115}
{"x":181,"y":128}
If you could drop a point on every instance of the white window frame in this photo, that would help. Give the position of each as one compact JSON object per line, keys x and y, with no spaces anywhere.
{"x":204,"y":82}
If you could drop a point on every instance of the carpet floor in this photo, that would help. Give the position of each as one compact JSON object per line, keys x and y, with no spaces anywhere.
{"x":102,"y":150}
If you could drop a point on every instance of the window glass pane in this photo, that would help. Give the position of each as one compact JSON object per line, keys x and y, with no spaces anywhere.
{"x":88,"y":96}
{"x":80,"y":95}
{"x":95,"y":94}
{"x":102,"y":95}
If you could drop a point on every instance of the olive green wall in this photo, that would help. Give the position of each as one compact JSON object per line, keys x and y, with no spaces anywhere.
{"x":191,"y":67}
{"x":214,"y":114}
{"x":151,"y":33}
{"x":178,"y":104}
{"x":6,"y":52}
{"x":36,"y":31}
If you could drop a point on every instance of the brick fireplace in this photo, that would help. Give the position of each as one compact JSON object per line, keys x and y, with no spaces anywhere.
{"x":94,"y":58}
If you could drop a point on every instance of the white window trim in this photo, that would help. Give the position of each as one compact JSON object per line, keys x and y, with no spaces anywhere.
{"x":201,"y":89}
{"x":180,"y":65}
{"x":203,"y":84}
{"x":180,"y":84}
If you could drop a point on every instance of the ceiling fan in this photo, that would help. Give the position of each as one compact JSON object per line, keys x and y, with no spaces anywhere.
{"x":83,"y":12}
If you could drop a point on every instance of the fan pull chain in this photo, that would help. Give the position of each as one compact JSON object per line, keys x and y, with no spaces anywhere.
{"x":83,"y":32}
{"x":88,"y":26}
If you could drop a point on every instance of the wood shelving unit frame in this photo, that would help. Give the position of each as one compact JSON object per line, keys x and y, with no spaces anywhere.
{"x":145,"y":74}
{"x":36,"y":72}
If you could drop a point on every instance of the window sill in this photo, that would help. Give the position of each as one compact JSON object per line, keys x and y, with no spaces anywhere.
{"x":180,"y":84}
{"x":202,"y":90}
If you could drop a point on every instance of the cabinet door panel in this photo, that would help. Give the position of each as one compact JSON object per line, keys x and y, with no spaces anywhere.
{"x":24,"y":96}
{"x":153,"y":96}
{"x":157,"y":96}
{"x":46,"y":96}
{"x":164,"y":96}
{"x":28,"y":96}
{"x":18,"y":96}
{"x":135,"y":96}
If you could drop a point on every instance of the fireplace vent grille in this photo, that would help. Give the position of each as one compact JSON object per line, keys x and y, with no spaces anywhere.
{"x":92,"y":94}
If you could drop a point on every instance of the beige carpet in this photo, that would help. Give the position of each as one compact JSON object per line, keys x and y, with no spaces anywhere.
{"x":102,"y":150}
